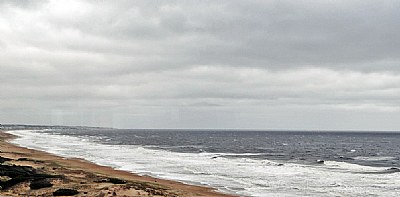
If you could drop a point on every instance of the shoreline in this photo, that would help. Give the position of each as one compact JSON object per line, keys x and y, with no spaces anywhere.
{"x":84,"y":176}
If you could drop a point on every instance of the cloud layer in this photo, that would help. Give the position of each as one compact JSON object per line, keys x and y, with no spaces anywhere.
{"x":201,"y":64}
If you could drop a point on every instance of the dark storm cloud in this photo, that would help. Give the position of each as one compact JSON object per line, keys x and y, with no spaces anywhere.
{"x":150,"y":59}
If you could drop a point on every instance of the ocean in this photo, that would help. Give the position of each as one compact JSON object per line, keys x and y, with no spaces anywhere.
{"x":246,"y":163}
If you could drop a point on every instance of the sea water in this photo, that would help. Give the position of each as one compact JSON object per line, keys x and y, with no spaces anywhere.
{"x":246,"y":163}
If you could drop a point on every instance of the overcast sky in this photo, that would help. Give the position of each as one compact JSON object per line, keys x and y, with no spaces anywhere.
{"x":330,"y":65}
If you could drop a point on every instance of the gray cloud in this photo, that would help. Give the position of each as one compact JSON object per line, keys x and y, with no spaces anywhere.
{"x":201,"y":63}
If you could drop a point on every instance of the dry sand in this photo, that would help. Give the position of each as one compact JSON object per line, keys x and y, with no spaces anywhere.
{"x":87,"y":178}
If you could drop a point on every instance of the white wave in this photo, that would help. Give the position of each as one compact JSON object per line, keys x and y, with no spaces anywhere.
{"x":243,"y":176}
{"x":350,"y":166}
{"x":376,"y":158}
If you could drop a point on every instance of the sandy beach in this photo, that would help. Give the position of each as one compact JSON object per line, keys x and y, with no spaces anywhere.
{"x":49,"y":174}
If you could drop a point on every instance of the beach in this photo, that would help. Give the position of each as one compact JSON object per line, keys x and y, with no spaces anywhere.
{"x":77,"y":175}
{"x":167,"y":162}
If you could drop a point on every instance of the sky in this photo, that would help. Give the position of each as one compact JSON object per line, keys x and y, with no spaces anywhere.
{"x":286,"y":65}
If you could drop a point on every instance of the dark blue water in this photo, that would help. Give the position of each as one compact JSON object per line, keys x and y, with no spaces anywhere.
{"x":363,"y":148}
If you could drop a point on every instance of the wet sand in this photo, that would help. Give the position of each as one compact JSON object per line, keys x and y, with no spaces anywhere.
{"x":87,"y":178}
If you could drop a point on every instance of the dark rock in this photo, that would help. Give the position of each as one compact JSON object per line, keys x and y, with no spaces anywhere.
{"x":101,"y":181}
{"x":65,"y":192}
{"x":19,"y":174}
{"x":12,"y":182}
{"x":116,"y":181}
{"x":320,"y":161}
{"x":3,"y":159}
{"x":27,"y":159}
{"x":110,"y":180}
{"x":14,"y":171}
{"x":41,"y":183}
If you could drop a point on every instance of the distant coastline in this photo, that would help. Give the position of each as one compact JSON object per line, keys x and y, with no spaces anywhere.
{"x":38,"y":126}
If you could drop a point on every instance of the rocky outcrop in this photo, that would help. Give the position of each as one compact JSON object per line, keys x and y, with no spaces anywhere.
{"x":65,"y":192}
{"x":18,"y":174}
{"x":40,"y":183}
